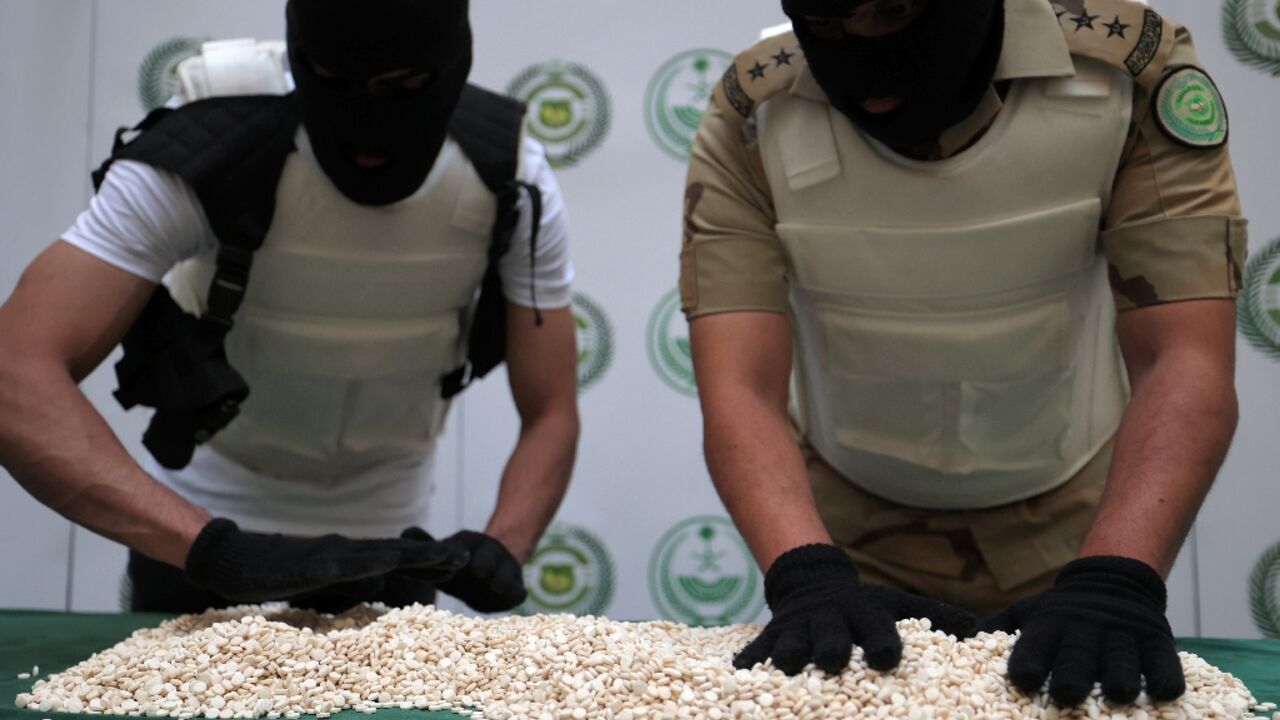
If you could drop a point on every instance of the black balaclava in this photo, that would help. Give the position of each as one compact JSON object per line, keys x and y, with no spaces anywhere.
{"x":941,"y":65}
{"x":360,"y":39}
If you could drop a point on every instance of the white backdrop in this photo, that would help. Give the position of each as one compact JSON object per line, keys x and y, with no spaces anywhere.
{"x":616,"y":88}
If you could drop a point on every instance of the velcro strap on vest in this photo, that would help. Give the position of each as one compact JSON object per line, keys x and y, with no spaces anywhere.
{"x":487,"y":341}
{"x":813,"y":158}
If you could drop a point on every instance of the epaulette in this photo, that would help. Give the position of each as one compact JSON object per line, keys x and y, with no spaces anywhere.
{"x":1126,"y":34}
{"x":768,"y":68}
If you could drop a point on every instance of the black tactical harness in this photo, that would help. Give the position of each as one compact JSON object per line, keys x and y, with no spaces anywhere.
{"x":232,"y":151}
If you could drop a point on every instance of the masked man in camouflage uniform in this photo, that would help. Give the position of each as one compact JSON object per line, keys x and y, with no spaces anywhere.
{"x":1001,"y":241}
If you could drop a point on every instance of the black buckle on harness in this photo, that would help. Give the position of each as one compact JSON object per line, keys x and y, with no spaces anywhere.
{"x":230,"y":280}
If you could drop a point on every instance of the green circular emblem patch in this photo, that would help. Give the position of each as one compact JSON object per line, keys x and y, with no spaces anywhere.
{"x":570,"y":572}
{"x":668,"y":346}
{"x":678,"y":95}
{"x":595,"y":340}
{"x":1251,"y":29}
{"x":1264,"y":592}
{"x":569,"y":110}
{"x":1258,"y":308}
{"x":703,"y":574}
{"x":158,"y":75}
{"x":1190,"y":108}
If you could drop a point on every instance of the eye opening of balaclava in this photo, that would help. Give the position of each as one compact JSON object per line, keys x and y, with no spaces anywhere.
{"x":378,"y":80}
{"x":940,"y":65}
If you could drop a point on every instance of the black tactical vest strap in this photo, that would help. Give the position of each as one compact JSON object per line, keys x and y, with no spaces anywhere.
{"x":488,"y":127}
{"x":231,"y":151}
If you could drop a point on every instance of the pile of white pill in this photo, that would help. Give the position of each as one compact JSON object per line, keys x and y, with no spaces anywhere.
{"x":253,"y":662}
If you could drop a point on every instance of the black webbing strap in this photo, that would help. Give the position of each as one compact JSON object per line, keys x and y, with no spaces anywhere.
{"x":231,"y":151}
{"x":489,"y":128}
{"x":486,"y":347}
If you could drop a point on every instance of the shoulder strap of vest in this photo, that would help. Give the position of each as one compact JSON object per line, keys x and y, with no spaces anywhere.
{"x":488,"y":127}
{"x":231,"y":151}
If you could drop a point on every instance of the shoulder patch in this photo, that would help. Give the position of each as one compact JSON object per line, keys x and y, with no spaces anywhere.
{"x":1124,"y":33}
{"x":1189,"y":108}
{"x":768,"y":68}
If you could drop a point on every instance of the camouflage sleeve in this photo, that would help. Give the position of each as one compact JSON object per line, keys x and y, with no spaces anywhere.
{"x":731,"y":260}
{"x":1174,"y":229}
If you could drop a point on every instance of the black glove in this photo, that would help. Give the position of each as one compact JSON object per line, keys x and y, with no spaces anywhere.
{"x":1103,"y":620}
{"x":491,"y":582}
{"x":256,"y":567}
{"x":821,"y":609}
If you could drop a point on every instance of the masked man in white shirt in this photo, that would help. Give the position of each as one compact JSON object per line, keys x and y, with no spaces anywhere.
{"x":342,"y":260}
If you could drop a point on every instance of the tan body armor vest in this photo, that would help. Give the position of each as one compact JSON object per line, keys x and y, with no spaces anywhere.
{"x":352,"y":315}
{"x":955,"y":332}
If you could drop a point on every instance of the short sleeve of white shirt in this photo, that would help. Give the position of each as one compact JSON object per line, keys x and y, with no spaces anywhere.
{"x":144,"y":221}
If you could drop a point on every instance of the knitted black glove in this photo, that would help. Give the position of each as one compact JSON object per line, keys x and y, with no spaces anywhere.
{"x":1102,"y":621}
{"x":256,"y":567}
{"x":491,"y":582}
{"x":821,"y":610}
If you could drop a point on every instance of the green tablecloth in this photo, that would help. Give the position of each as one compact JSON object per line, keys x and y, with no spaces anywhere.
{"x":56,"y":641}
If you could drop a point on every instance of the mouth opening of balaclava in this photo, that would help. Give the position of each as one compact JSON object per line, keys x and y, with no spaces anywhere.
{"x":940,"y":66}
{"x":377,"y":147}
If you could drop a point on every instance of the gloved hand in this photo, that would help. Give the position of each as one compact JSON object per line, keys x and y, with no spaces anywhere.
{"x":491,"y":582}
{"x":821,"y":610}
{"x":1103,"y":620}
{"x":256,"y":567}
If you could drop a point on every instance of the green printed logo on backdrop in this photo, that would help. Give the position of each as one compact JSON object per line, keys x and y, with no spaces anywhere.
{"x":1251,"y":29}
{"x":1258,"y":308}
{"x":1264,"y":592}
{"x":158,"y":75}
{"x":570,"y":572}
{"x":569,"y":109}
{"x":678,"y":95}
{"x":595,"y":340}
{"x":702,"y":573}
{"x":668,"y":346}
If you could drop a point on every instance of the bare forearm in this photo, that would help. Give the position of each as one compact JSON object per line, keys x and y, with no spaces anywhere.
{"x":1168,"y":450}
{"x":60,"y":450}
{"x":534,"y":482}
{"x":760,"y":475}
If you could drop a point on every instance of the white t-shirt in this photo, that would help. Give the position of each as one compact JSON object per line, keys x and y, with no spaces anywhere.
{"x":144,"y":221}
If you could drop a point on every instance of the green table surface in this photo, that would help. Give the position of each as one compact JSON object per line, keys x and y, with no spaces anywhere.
{"x":56,"y":641}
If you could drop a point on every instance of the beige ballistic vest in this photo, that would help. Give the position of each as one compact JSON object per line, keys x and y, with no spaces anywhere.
{"x":352,"y":316}
{"x":353,"y":313}
{"x":955,"y":332}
